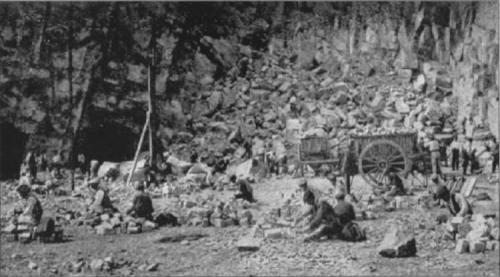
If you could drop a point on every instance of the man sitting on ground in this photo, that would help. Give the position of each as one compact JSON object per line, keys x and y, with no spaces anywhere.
{"x":305,"y":187}
{"x":346,"y":215}
{"x":101,"y":203}
{"x":343,"y":209}
{"x":29,"y":212}
{"x":142,"y":205}
{"x":395,"y":186}
{"x":324,"y":221}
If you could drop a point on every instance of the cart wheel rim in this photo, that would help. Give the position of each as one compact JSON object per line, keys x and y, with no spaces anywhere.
{"x":380,"y":158}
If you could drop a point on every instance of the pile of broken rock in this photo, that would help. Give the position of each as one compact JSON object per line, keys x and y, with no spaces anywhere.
{"x":484,"y":235}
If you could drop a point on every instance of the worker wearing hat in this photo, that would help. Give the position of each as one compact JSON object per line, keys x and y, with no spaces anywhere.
{"x":343,"y":209}
{"x":435,"y":155}
{"x":323,"y":221}
{"x":396,"y":186}
{"x":308,"y":193}
{"x":32,"y":208}
{"x":456,"y":202}
{"x":142,"y":205}
{"x":28,"y":213}
{"x":101,"y":203}
{"x":246,"y":191}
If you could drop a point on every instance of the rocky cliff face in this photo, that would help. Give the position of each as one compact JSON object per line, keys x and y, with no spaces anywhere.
{"x":85,"y":66}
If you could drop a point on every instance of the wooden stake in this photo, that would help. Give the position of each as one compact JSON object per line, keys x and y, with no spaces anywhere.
{"x":138,"y":148}
{"x":150,"y":110}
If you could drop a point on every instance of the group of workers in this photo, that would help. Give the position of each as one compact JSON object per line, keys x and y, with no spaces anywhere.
{"x":326,"y":221}
{"x":464,"y":151}
{"x":30,"y":210}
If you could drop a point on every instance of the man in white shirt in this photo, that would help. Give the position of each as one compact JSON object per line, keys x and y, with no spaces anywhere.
{"x":435,"y":156}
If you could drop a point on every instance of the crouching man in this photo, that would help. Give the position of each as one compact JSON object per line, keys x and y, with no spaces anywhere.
{"x":245,"y":191}
{"x":456,"y":202}
{"x":324,"y":221}
{"x":140,"y":215}
{"x":27,"y":216}
{"x":142,"y":205}
{"x":100,"y":202}
{"x":346,"y":215}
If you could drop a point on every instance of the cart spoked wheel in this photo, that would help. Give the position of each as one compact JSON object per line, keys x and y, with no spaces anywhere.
{"x":380,"y":158}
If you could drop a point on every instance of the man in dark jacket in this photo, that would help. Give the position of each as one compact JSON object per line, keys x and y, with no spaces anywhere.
{"x":246,"y":191}
{"x":495,"y":154}
{"x":343,"y":209}
{"x":142,"y":205}
{"x":100,"y":202}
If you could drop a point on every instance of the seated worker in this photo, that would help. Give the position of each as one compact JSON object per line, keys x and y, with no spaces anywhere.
{"x":29,"y":211}
{"x":343,"y":209}
{"x":395,"y":186}
{"x":304,"y":187}
{"x":324,"y":221}
{"x":101,"y":203}
{"x":456,"y":202}
{"x":142,"y":205}
{"x":246,"y":191}
{"x":346,"y":215}
{"x":32,"y":206}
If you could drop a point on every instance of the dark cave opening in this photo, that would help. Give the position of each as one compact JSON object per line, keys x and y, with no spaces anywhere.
{"x":12,"y":145}
{"x":107,"y":142}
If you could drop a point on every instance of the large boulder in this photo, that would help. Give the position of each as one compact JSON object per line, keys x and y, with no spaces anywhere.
{"x":214,"y":102}
{"x":204,"y":69}
{"x":221,"y":51}
{"x":180,"y":165}
{"x":316,"y":132}
{"x":397,"y":243}
{"x":107,"y":168}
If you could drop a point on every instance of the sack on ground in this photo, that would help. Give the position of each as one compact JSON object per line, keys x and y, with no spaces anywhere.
{"x":352,"y":232}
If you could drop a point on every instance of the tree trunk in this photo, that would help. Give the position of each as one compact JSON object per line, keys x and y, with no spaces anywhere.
{"x":95,"y":74}
{"x":153,"y":123}
{"x":72,"y":158}
{"x":39,"y":44}
{"x":70,"y":56}
{"x":353,"y":30}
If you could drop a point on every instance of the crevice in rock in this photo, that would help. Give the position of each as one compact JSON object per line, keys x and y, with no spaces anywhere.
{"x":107,"y":141}
{"x":12,"y":145}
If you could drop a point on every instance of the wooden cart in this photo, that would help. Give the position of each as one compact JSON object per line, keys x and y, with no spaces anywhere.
{"x":371,"y":156}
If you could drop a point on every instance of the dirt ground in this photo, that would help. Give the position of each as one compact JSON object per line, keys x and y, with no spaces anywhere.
{"x":212,"y":251}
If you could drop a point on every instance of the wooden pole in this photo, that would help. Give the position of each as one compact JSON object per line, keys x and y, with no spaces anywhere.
{"x":150,"y":110}
{"x":138,"y":148}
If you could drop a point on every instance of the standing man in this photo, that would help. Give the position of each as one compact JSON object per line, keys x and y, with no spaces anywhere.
{"x":466,"y":152}
{"x":435,"y":155}
{"x":82,"y":163}
{"x":495,"y":153}
{"x":31,"y":163}
{"x":442,"y":153}
{"x":455,"y":153}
